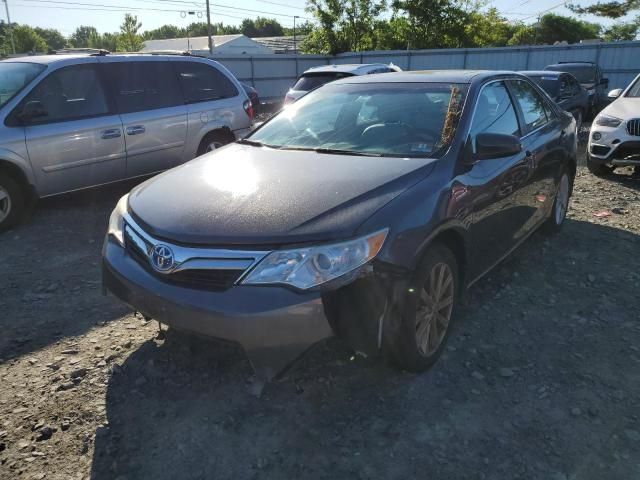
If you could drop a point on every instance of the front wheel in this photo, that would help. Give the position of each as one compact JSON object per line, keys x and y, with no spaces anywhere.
{"x":560,"y":204}
{"x":12,"y":202}
{"x":417,"y":342}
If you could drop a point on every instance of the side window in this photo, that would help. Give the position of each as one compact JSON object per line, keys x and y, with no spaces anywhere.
{"x":69,"y":93}
{"x":201,"y":83}
{"x":140,"y":86}
{"x":531,"y":104}
{"x":494,"y":112}
{"x":575,"y":86}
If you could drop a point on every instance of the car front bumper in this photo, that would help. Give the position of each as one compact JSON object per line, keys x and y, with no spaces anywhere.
{"x":614,"y":146}
{"x":274,"y":325}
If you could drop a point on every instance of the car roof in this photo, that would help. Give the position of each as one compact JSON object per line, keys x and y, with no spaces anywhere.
{"x":70,"y":57}
{"x":542,"y":73}
{"x":428,"y":76}
{"x":561,"y":65}
{"x":355,"y":68}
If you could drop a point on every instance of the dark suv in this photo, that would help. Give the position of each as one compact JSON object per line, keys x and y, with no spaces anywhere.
{"x":364,"y":209}
{"x":590,"y":76}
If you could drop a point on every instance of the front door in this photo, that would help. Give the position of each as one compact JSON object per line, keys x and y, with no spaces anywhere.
{"x":494,"y":188}
{"x":76,"y":139}
{"x":153,"y":113}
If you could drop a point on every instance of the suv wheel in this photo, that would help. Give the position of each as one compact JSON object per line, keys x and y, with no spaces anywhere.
{"x":599,"y":169}
{"x":426,"y":319}
{"x":214,"y":140}
{"x":11,"y":202}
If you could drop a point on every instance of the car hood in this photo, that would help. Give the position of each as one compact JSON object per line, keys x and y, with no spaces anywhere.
{"x":250,"y":195}
{"x":624,"y":108}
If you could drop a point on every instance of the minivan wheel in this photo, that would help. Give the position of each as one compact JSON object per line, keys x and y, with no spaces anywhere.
{"x":214,"y":140}
{"x":11,"y":202}
{"x":427,"y":315}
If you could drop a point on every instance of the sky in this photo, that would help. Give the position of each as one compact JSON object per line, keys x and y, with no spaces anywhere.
{"x":107,"y":15}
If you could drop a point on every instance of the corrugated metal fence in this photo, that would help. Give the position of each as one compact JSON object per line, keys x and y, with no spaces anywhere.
{"x":272,"y":75}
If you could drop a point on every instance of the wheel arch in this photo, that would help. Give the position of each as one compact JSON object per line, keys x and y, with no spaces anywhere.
{"x":454,"y":237}
{"x":222,"y":130}
{"x":19,"y":174}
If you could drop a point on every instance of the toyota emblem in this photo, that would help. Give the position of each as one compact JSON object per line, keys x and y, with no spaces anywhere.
{"x":162,"y":258}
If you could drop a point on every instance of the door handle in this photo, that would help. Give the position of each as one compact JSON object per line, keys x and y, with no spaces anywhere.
{"x":135,"y":130}
{"x":111,"y":133}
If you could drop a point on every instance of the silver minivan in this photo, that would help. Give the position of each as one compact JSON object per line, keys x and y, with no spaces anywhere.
{"x":70,"y":122}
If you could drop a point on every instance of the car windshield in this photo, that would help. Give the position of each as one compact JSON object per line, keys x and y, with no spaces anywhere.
{"x":634,"y":91}
{"x":584,"y":74}
{"x":549,"y":84}
{"x":383,"y":119}
{"x":311,"y":81}
{"x":14,"y":76}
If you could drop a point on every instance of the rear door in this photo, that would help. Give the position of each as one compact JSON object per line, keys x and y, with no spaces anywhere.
{"x":151,"y":106}
{"x":77,"y":139}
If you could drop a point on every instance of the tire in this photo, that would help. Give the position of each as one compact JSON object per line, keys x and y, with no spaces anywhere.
{"x":598,"y":169}
{"x":560,"y":204}
{"x":213,"y":141}
{"x":12,"y":202}
{"x":579,"y":118}
{"x":409,"y":345}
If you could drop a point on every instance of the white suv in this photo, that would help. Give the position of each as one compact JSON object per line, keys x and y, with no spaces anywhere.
{"x":615,"y":133}
{"x":317,"y":76}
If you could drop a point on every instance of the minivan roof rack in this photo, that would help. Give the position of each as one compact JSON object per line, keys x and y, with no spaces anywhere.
{"x":89,"y":51}
{"x":577,"y":61}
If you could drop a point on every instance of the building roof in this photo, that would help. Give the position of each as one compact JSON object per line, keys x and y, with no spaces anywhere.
{"x":284,"y":44}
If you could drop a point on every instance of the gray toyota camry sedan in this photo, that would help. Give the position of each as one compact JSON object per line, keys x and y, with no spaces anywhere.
{"x":363,"y":210}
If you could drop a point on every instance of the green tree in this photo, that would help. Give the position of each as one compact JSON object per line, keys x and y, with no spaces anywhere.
{"x":107,"y":41}
{"x":622,"y":31}
{"x":55,"y":40}
{"x":26,"y":40}
{"x":130,"y":40}
{"x":488,"y":29}
{"x":84,"y":37}
{"x":612,"y":9}
{"x":164,"y":32}
{"x":555,"y":28}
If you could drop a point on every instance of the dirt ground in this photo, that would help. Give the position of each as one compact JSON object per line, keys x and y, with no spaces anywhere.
{"x":540,"y":380}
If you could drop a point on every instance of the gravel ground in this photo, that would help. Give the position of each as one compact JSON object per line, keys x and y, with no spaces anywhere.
{"x":540,"y":379}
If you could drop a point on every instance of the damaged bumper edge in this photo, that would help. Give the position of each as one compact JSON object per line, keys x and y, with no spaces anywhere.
{"x":274,"y":325}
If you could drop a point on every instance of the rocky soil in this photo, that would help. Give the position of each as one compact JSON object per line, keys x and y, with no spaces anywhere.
{"x":540,"y":379}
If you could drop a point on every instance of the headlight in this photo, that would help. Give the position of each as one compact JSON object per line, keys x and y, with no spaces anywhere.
{"x":116,"y":221}
{"x":607,"y":121}
{"x":309,"y":267}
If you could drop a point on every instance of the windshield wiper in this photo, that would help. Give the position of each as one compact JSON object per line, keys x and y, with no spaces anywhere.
{"x":254,"y":143}
{"x":337,"y":151}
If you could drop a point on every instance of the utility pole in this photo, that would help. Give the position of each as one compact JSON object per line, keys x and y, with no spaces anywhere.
{"x":13,"y":43}
{"x":208,"y":29}
{"x":295,"y":45}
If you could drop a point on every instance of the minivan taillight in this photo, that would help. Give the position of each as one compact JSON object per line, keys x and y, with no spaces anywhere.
{"x":248,"y":107}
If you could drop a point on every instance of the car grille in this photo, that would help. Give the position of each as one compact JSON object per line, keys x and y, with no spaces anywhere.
{"x":217,"y":279}
{"x":633,"y":127}
{"x":599,"y":150}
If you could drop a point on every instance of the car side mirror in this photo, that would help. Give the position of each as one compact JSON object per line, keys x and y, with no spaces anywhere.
{"x":31,"y":110}
{"x":615,"y":93}
{"x":496,"y":145}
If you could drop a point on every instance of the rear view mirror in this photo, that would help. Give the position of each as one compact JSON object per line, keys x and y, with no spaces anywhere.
{"x":615,"y":93}
{"x":31,"y":110}
{"x":496,"y":145}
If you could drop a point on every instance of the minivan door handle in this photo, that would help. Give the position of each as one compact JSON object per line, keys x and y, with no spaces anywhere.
{"x":135,"y":130}
{"x":111,"y":133}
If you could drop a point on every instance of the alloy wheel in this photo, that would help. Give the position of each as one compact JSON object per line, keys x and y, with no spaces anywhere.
{"x":434,"y":309}
{"x":562,"y":200}
{"x":213,"y":146}
{"x":5,"y":204}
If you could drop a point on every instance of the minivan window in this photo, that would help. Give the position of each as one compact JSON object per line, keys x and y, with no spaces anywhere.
{"x":383,"y":119}
{"x":201,"y":83}
{"x":15,"y":76}
{"x":68,"y":93}
{"x":311,"y":81}
{"x":584,"y":74}
{"x":140,"y":86}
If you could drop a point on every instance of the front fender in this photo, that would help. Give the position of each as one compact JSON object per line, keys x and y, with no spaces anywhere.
{"x":16,"y":160}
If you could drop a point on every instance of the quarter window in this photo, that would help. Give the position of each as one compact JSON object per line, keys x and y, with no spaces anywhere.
{"x":531,"y":104}
{"x":494,"y":112}
{"x":202,"y":83}
{"x":69,"y":93}
{"x":140,"y":86}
